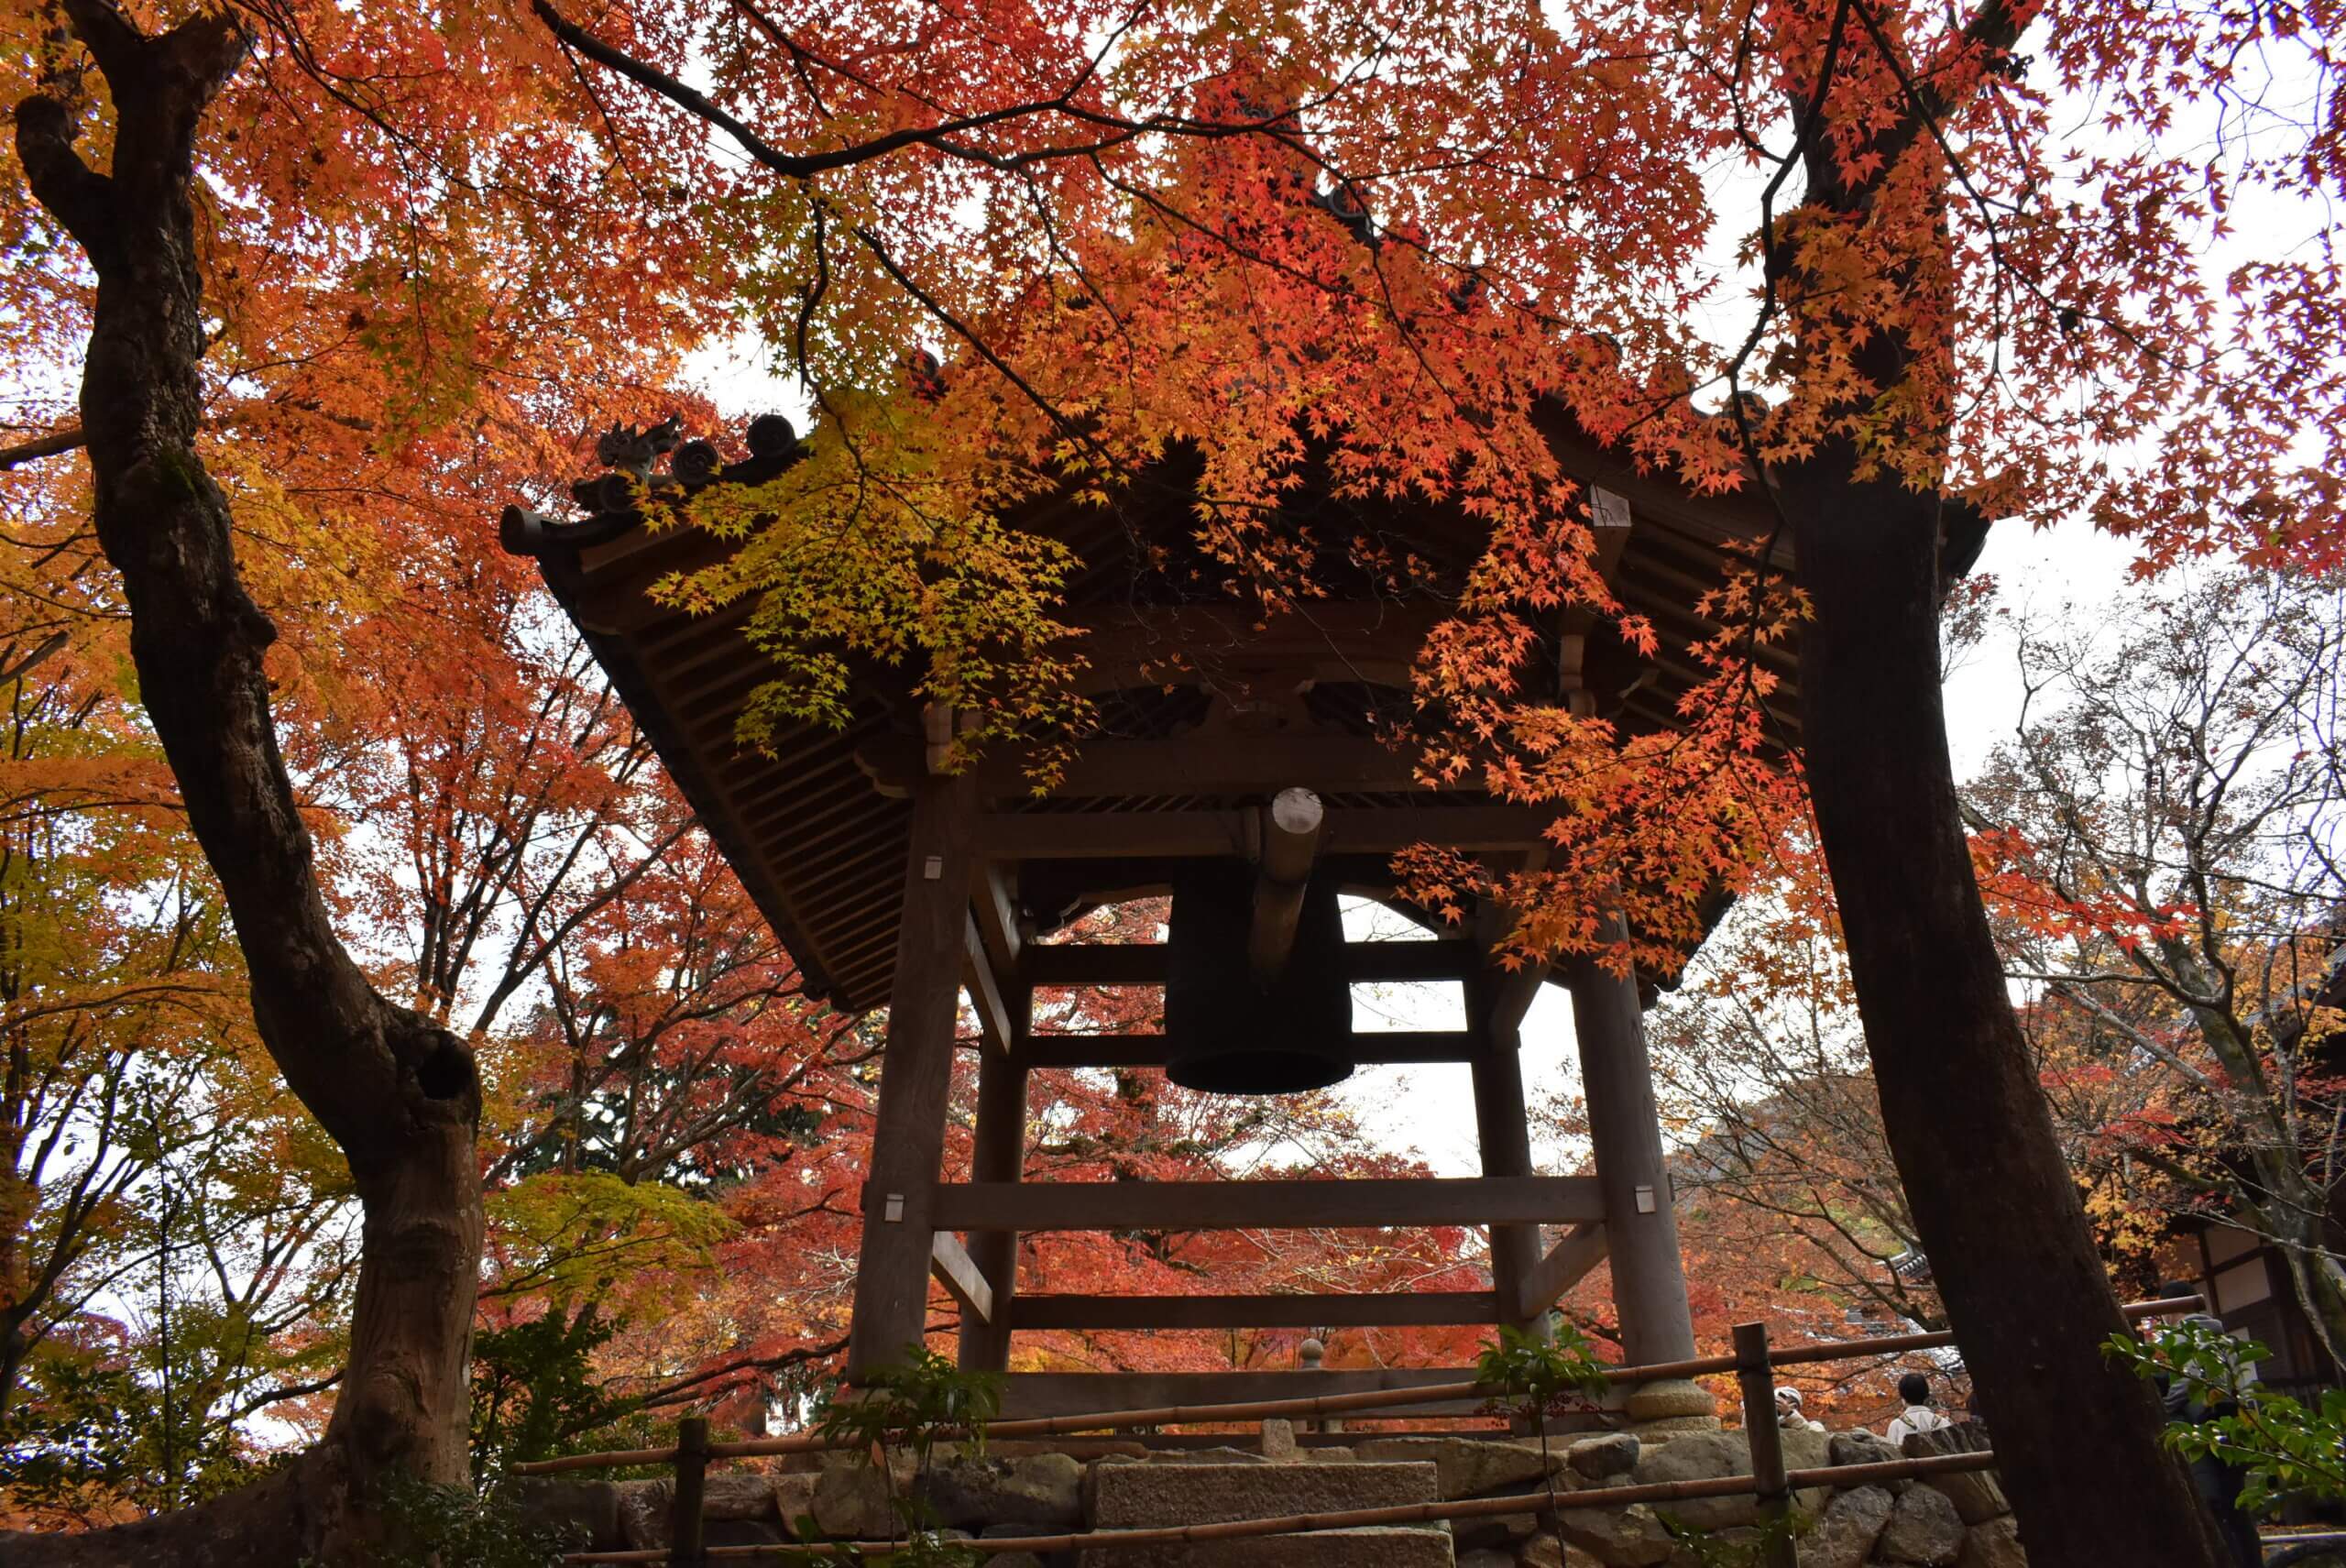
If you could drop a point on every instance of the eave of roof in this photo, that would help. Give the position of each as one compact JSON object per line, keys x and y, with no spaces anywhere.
{"x":819,"y":848}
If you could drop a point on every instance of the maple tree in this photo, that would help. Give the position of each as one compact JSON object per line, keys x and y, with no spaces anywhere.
{"x":1962,"y":314}
{"x":354,"y":367}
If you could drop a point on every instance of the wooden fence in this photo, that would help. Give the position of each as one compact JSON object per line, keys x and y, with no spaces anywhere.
{"x":1754,"y":1363}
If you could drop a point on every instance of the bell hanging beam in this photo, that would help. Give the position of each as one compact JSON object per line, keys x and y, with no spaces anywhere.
{"x":1290,"y":840}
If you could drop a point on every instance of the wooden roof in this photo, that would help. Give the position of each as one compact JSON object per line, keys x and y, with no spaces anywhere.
{"x":818,"y":828}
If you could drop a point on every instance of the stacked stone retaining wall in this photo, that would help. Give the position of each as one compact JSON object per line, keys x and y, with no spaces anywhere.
{"x":1030,"y":1489}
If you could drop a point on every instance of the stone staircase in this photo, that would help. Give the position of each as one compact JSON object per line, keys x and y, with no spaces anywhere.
{"x":1137,"y":1495}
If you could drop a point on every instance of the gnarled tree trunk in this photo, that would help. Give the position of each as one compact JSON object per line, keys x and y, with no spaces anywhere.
{"x":398,"y":1092}
{"x":1992,"y":1198}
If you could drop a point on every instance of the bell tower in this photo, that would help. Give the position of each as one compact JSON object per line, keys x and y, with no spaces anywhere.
{"x":1239,"y":767}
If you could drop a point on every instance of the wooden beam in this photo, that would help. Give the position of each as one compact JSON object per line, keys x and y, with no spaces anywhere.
{"x":1368,"y":1204}
{"x":949,"y":1261}
{"x":619,"y":603}
{"x":1506,"y":995}
{"x":1376,"y":1049}
{"x":1361,"y":831}
{"x":1402,"y":1309}
{"x":1231,"y":765}
{"x":1503,"y":1131}
{"x":997,"y":920}
{"x":1290,"y":827}
{"x":1221,"y":644}
{"x":1026,"y":1395}
{"x":995,"y":1022}
{"x":1197,"y":764}
{"x":1580,"y":1249}
{"x":1143,"y":963}
{"x":1512,"y":994}
{"x":1609,"y":524}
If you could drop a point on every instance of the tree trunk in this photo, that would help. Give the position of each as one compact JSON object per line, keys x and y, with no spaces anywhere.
{"x":399,"y":1093}
{"x":2314,"y":1272}
{"x":1992,"y":1199}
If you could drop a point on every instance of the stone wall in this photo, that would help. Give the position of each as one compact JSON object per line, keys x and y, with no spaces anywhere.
{"x":1022,"y":1489}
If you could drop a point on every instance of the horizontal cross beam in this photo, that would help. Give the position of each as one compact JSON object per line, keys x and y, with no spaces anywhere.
{"x":1353,"y":830}
{"x":1398,"y":1308}
{"x":1031,"y":1394}
{"x":1231,"y":765}
{"x":1143,"y":963}
{"x":1374,"y":1203}
{"x":1222,"y":764}
{"x":1376,"y":1049}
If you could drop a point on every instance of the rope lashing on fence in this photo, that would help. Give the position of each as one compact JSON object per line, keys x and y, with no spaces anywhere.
{"x":1308,"y":1405}
{"x":1358,"y":1519}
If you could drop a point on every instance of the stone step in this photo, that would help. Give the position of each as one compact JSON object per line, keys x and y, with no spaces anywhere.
{"x":1141,"y":1496}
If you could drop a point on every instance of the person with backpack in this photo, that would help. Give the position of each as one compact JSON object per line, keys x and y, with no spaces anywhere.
{"x":1919,"y":1415}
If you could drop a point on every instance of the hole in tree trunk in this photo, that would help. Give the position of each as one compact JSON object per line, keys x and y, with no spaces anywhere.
{"x":447,"y":1071}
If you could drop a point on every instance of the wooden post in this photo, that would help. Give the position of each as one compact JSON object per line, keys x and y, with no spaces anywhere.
{"x":1758,"y":1379}
{"x":1504,"y":1132}
{"x":916,"y":1072}
{"x":1641,"y":1230}
{"x":685,"y":1549}
{"x":998,"y":1154}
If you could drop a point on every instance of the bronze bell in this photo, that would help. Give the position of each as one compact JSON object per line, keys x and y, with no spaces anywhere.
{"x":1233,"y":1031}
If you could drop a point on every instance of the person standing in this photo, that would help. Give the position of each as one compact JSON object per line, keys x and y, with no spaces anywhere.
{"x":1920,"y":1415}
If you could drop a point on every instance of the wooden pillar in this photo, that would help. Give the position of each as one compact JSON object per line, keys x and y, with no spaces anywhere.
{"x":999,"y":1155}
{"x":1503,"y":1130}
{"x":1641,"y":1231}
{"x":915,"y":1072}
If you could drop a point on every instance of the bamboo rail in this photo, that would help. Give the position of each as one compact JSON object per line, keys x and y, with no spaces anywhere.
{"x":1752,"y":1361}
{"x":1361,"y":1519}
{"x":1310,"y":1405}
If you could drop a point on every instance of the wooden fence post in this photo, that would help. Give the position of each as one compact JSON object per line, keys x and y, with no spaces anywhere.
{"x":1758,"y":1378}
{"x":685,"y":1538}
